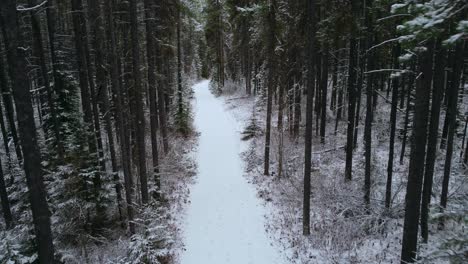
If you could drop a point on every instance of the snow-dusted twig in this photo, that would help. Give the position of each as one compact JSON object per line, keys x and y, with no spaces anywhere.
{"x":382,"y":43}
{"x":384,"y":70}
{"x":393,"y":16}
{"x":32,"y":8}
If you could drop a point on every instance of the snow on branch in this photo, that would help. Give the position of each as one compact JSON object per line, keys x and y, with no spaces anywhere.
{"x":384,"y":70}
{"x":383,"y":43}
{"x":393,"y":16}
{"x":32,"y":8}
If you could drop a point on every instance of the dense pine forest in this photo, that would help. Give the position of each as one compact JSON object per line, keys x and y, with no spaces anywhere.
{"x":233,"y":131}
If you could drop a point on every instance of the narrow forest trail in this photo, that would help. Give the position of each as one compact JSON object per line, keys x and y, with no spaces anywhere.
{"x":225,"y":221}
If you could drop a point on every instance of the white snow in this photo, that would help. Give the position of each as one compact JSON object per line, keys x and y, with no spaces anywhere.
{"x":225,"y":221}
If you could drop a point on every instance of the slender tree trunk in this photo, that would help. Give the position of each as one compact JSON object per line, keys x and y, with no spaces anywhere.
{"x":324,"y":86}
{"x":271,"y":82}
{"x":416,"y":167}
{"x":452,"y":126}
{"x":310,"y":47}
{"x":351,"y":107}
{"x":27,"y":133}
{"x":370,"y":87}
{"x":368,"y":137}
{"x":297,"y":108}
{"x":393,"y":117}
{"x":280,"y":129}
{"x":180,"y":106}
{"x":140,"y":117}
{"x":6,"y":92}
{"x":334,"y":77}
{"x":3,"y":87}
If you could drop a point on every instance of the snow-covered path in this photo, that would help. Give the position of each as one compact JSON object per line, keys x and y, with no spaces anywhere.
{"x":225,"y":219}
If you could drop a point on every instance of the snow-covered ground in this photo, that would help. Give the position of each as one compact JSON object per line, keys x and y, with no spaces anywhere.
{"x":225,"y":221}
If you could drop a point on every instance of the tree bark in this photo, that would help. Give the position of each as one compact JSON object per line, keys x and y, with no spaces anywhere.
{"x":151,"y":57}
{"x":117,"y":90}
{"x":271,"y":82}
{"x":80,"y":45}
{"x":351,"y":107}
{"x":6,"y":93}
{"x":37,"y":36}
{"x":416,"y":166}
{"x":5,"y":202}
{"x":408,"y":107}
{"x":310,"y":47}
{"x":324,"y":87}
{"x":140,"y":117}
{"x":27,"y":133}
{"x":393,"y":117}
{"x":437,"y":89}
{"x":452,"y":124}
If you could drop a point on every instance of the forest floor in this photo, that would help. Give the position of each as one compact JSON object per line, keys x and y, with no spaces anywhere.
{"x":225,"y":220}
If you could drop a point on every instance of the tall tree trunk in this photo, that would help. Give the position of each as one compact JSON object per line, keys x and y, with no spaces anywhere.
{"x":437,"y":89}
{"x":102,"y":94}
{"x":297,"y":108}
{"x":151,"y":57}
{"x":94,"y":93}
{"x":371,"y":61}
{"x":393,"y":117}
{"x":6,"y":92}
{"x":280,"y":128}
{"x":117,"y":90}
{"x":271,"y":82}
{"x":80,"y":43}
{"x":416,"y":166}
{"x":180,"y":106}
{"x":452,"y":126}
{"x":324,"y":87}
{"x":37,"y":36}
{"x":351,"y":106}
{"x":140,"y":117}
{"x":3,"y":87}
{"x":310,"y":47}
{"x":27,"y":133}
